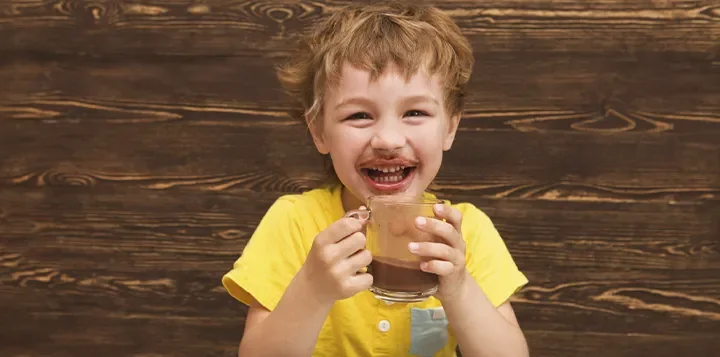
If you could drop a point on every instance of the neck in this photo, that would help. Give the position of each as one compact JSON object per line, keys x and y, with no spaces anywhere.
{"x":349,"y":201}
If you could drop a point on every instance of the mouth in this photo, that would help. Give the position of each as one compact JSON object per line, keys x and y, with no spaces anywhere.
{"x":388,"y":174}
{"x":388,"y":178}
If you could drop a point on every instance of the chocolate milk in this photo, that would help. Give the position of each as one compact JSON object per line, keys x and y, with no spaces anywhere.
{"x":397,"y":275}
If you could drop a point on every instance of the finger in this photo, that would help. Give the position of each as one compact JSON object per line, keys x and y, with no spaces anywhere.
{"x":341,"y":229}
{"x":350,"y":245}
{"x":439,"y":228}
{"x":449,"y":213}
{"x":439,"y":251}
{"x":357,"y":262}
{"x":359,"y":282}
{"x":439,"y":267}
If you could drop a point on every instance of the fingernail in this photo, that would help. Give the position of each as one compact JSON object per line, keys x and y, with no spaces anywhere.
{"x":420,"y":221}
{"x":439,"y":207}
{"x":413,"y":247}
{"x":424,"y":265}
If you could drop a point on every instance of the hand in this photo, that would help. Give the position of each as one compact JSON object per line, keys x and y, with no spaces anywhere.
{"x":447,"y":258}
{"x":334,"y":261}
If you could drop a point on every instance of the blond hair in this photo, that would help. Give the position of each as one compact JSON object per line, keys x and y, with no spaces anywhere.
{"x":413,"y":37}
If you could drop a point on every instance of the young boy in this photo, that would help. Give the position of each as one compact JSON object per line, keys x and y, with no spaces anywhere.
{"x":381,"y":89}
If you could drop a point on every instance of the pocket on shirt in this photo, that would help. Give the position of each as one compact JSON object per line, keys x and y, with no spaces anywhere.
{"x":428,"y":331}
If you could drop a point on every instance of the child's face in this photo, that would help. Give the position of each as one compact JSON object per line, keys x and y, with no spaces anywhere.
{"x":385,"y":136}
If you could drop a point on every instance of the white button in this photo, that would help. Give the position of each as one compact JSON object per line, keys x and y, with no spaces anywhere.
{"x":389,"y":302}
{"x":384,"y":326}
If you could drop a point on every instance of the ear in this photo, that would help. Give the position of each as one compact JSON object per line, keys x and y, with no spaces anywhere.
{"x":317,"y":134}
{"x":451,"y":130}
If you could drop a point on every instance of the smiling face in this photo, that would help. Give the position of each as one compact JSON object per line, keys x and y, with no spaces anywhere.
{"x":385,"y":135}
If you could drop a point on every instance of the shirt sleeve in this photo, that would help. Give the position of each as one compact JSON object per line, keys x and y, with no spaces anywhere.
{"x":488,"y":259}
{"x":271,"y":258}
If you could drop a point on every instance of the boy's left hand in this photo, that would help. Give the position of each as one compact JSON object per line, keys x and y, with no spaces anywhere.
{"x":447,"y":259}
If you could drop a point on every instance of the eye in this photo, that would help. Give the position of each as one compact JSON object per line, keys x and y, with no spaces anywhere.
{"x":361,"y":115}
{"x":416,"y":113}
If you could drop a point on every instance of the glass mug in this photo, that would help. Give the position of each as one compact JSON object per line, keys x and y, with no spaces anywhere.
{"x":390,"y":228}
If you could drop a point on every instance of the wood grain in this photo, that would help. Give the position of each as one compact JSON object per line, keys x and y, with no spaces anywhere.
{"x":550,"y":343}
{"x":158,"y":253}
{"x":270,"y":28}
{"x":599,"y":93}
{"x":564,"y":166}
{"x":128,"y":335}
{"x":141,"y":142}
{"x":117,"y":334}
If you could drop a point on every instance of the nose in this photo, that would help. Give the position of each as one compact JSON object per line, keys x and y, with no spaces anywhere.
{"x":389,"y":136}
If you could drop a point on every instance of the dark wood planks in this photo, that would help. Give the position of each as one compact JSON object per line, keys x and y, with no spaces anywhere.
{"x":163,"y":253}
{"x":270,"y":28}
{"x":550,"y":343}
{"x":507,"y":92}
{"x":140,"y":142}
{"x":117,"y":334}
{"x":496,"y":164}
{"x":139,"y":270}
{"x":534,"y":127}
{"x":141,"y":335}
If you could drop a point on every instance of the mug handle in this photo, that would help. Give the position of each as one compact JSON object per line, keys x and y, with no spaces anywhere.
{"x":362,"y":214}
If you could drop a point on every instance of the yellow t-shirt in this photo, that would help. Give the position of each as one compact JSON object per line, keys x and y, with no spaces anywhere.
{"x":363,"y":325}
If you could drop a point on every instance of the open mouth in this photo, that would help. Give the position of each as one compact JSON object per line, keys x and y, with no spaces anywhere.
{"x":388,"y":175}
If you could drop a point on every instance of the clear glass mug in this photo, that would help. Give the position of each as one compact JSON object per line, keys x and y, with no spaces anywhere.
{"x":390,"y":228}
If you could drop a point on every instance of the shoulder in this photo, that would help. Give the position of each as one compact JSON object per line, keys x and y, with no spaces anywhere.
{"x":310,"y":211}
{"x":318,"y":198}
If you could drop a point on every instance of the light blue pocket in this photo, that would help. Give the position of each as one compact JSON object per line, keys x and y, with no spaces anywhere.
{"x":428,"y":331}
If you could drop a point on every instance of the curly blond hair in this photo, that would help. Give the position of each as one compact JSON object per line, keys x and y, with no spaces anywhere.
{"x":410,"y":36}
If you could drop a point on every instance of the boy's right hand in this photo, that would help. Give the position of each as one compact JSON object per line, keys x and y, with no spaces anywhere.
{"x":335,"y":259}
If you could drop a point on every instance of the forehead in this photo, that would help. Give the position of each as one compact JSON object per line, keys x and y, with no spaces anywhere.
{"x":391,"y":82}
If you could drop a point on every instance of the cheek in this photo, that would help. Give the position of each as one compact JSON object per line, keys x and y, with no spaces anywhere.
{"x":346,"y":146}
{"x":428,"y":139}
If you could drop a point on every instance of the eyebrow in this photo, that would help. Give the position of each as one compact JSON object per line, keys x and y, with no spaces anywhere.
{"x":420,"y":99}
{"x":405,"y":100}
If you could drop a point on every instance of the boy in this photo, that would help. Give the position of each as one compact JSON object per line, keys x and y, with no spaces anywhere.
{"x":381,"y":89}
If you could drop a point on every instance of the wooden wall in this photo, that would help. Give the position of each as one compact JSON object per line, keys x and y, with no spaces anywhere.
{"x":141,"y":141}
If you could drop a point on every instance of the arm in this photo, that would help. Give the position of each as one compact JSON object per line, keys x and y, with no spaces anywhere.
{"x":330,"y":273}
{"x":481,"y":329}
{"x":290,"y":330}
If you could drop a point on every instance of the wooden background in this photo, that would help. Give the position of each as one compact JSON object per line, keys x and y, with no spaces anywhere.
{"x":141,"y":141}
